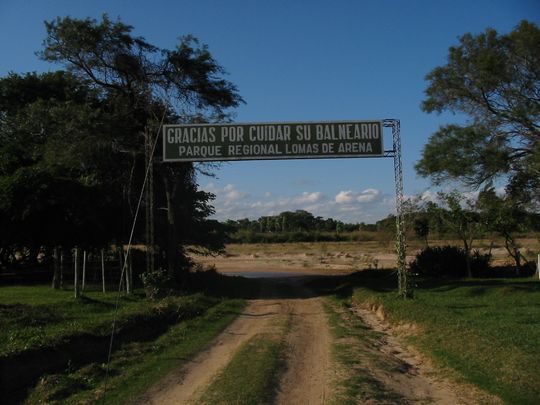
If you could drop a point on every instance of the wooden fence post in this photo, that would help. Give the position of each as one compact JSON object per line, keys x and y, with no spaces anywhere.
{"x":83,"y":270}
{"x":76,"y":276}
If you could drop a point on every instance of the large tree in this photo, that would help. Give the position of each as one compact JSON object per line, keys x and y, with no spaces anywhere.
{"x":494,"y":80}
{"x":55,"y":186}
{"x":151,"y":84}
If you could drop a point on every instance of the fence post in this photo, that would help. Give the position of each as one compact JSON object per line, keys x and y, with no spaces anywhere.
{"x":76,"y":276}
{"x":83,"y":270}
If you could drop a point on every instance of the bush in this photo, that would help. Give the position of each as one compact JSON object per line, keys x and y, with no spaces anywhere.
{"x":449,"y":261}
{"x":157,"y":284}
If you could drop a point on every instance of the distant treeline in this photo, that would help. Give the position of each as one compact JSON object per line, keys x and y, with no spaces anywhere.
{"x":303,"y":226}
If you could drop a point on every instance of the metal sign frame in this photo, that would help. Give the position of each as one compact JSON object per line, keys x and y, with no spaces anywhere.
{"x":377,"y":143}
{"x":405,"y":284}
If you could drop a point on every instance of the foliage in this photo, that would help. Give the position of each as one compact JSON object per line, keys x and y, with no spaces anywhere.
{"x":484,"y":329}
{"x":494,"y":80}
{"x":461,"y":217}
{"x":288,"y":221}
{"x":421,"y":228}
{"x":449,"y":261}
{"x":157,"y":284}
{"x":80,"y":138}
{"x":505,"y":217}
{"x":57,"y":184}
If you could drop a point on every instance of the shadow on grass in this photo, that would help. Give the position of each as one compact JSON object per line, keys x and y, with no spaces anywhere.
{"x":380,"y":281}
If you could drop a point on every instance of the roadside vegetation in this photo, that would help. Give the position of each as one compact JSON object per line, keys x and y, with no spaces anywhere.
{"x":48,"y":336}
{"x":483,"y":329}
{"x":136,"y":366}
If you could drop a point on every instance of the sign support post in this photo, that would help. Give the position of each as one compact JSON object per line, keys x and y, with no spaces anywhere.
{"x":405,"y":288}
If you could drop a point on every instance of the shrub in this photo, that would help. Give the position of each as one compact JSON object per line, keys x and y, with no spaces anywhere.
{"x":448,"y":261}
{"x":157,"y":284}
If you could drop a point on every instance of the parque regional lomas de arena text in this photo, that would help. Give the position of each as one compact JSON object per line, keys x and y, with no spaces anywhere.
{"x":276,"y":140}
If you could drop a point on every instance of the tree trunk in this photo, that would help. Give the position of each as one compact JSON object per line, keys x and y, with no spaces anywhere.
{"x":103,"y":269}
{"x":56,"y":274}
{"x":172,"y":238}
{"x":513,"y":251}
{"x":468,"y":258}
{"x":61,"y":268}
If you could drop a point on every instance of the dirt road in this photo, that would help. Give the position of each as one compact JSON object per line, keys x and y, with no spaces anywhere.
{"x":311,"y":376}
{"x":308,"y":354}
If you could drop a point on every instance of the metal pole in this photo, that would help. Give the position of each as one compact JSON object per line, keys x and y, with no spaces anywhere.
{"x":405,"y":289}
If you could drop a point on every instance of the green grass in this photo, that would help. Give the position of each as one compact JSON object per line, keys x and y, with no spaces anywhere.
{"x":251,"y":376}
{"x":354,"y":349}
{"x":487,"y":330}
{"x":137,"y":366}
{"x":37,"y":316}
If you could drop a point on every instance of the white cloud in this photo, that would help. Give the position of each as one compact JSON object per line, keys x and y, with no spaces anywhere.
{"x":308,"y":197}
{"x":368,"y":205}
{"x":349,"y":197}
{"x":344,"y":197}
{"x":368,"y":195}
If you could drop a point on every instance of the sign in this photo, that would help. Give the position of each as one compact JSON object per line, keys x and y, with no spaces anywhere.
{"x":261,"y":141}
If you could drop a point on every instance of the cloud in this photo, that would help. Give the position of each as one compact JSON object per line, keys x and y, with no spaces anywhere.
{"x":349,"y":197}
{"x":344,"y":197}
{"x":308,"y":197}
{"x":368,"y":205}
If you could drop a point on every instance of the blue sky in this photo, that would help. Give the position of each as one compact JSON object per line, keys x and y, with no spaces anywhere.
{"x":299,"y":61}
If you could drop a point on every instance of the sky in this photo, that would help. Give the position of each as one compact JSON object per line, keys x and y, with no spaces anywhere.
{"x":299,"y":61}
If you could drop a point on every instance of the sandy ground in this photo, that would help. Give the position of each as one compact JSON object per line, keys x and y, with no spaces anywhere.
{"x":185,"y":385}
{"x":310,"y":374}
{"x":306,"y":380}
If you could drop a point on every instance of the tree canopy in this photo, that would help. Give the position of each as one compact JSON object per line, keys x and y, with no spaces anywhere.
{"x":74,"y":143}
{"x":495,"y":81}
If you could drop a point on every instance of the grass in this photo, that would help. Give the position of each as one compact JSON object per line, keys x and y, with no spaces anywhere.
{"x":136,"y":366}
{"x":354,"y":349}
{"x":488,"y":330}
{"x":251,"y":376}
{"x":37,"y":316}
{"x":152,"y":337}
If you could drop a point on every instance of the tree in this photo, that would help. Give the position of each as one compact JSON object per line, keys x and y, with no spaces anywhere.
{"x":495,"y":81}
{"x":54,"y":186}
{"x":458,"y":214}
{"x":148,"y":84}
{"x":421,"y":229}
{"x":504,"y":217}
